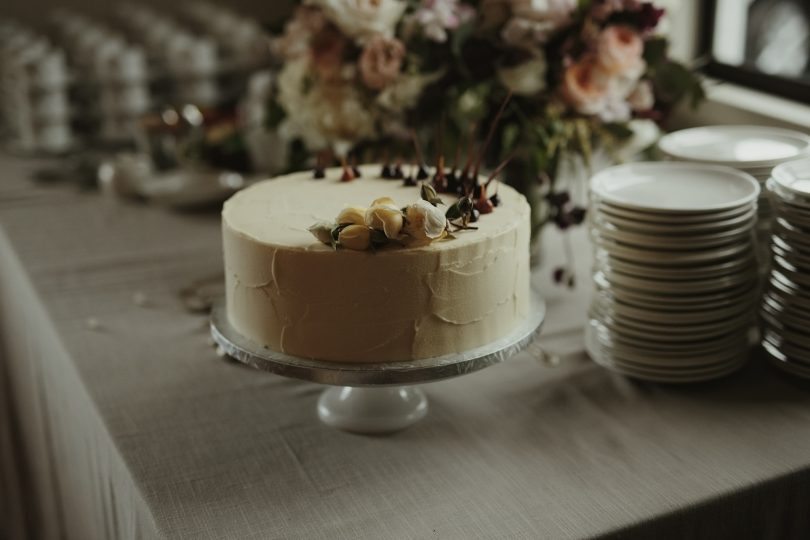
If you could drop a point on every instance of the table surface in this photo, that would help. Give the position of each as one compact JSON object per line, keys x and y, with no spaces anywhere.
{"x":212,"y":449}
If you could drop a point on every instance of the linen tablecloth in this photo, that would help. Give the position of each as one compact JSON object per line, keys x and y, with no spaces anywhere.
{"x":118,"y":420}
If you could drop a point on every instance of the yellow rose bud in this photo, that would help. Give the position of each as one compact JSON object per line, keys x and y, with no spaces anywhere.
{"x":354,"y":215}
{"x":386,"y":218}
{"x":384,"y":201}
{"x":356,"y":237}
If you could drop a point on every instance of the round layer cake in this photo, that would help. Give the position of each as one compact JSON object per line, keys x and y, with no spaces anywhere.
{"x":289,"y":292}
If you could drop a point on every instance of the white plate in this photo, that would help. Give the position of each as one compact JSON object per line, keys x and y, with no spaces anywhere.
{"x":745,"y":302}
{"x":781,"y":283}
{"x":674,"y":258}
{"x":724,"y":268}
{"x":674,"y":187}
{"x":785,"y":345}
{"x":661,"y":316}
{"x":664,"y":334}
{"x":670,"y":287}
{"x":710,"y":298}
{"x":784,"y":362}
{"x":794,"y":275}
{"x":668,"y":219}
{"x":613,"y":363}
{"x":696,"y":331}
{"x":792,"y":235}
{"x":796,"y":258}
{"x":610,"y":337}
{"x":787,"y":303}
{"x":675,"y":243}
{"x":786,"y":196}
{"x":794,"y":177}
{"x":748,"y":147}
{"x":678,"y":227}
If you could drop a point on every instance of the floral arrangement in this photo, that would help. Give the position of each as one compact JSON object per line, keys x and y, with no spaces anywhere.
{"x":360,"y":77}
{"x":383,"y":223}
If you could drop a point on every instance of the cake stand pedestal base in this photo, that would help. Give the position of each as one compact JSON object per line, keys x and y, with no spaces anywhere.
{"x":373,"y":398}
{"x":372,"y":410}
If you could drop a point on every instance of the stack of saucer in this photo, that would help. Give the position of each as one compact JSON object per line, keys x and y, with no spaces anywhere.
{"x":786,"y":302}
{"x":755,"y":150}
{"x":675,"y":273}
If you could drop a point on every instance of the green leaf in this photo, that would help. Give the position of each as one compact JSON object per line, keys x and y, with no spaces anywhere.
{"x":618,"y":131}
{"x":460,"y":37}
{"x":509,"y":138}
{"x":583,"y":130}
{"x":454,"y":212}
{"x":655,"y":51}
{"x":673,"y":82}
{"x":275,"y":115}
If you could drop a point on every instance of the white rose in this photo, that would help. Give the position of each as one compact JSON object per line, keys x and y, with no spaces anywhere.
{"x":322,"y":231}
{"x":424,"y":223}
{"x":525,"y":79}
{"x":386,"y":218}
{"x":361,"y":19}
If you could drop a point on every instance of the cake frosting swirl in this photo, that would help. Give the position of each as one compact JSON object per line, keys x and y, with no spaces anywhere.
{"x":287,"y":291}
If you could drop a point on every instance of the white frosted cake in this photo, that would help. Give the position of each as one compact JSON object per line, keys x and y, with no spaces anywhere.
{"x":289,"y":292}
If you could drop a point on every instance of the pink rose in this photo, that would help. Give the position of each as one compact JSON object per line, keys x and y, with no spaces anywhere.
{"x":586,"y":87}
{"x":381,"y":61}
{"x":619,"y":51}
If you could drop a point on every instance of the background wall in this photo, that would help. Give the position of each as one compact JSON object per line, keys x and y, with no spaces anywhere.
{"x":683,"y":14}
{"x":34,"y":11}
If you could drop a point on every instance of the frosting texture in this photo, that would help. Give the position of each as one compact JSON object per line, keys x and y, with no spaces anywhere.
{"x":291,"y":293}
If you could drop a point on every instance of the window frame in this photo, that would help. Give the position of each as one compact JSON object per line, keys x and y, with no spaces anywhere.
{"x":771,"y":84}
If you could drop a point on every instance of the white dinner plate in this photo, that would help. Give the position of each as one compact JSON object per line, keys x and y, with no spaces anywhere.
{"x":797,"y":277}
{"x":709,"y":298}
{"x":662,"y":316}
{"x":784,"y":362}
{"x":668,"y":352}
{"x":747,"y":147}
{"x":674,"y":258}
{"x":785,"y":196}
{"x":696,"y":331}
{"x":675,"y":243}
{"x":665,"y":375}
{"x":662,"y":303}
{"x":794,"y":177}
{"x":669,"y":219}
{"x":783,"y":344}
{"x":674,"y":187}
{"x":670,"y":287}
{"x":720,"y":269}
{"x":676,"y":228}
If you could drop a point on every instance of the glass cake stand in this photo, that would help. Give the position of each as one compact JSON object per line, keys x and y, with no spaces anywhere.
{"x":374,"y":398}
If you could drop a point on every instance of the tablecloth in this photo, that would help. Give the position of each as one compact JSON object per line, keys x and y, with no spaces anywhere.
{"x":118,"y":420}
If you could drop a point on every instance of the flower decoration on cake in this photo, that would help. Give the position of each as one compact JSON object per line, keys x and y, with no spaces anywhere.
{"x":383,"y":223}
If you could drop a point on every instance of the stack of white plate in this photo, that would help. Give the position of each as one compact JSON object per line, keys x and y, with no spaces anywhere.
{"x":786,"y":302}
{"x":755,"y":150}
{"x":675,"y":273}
